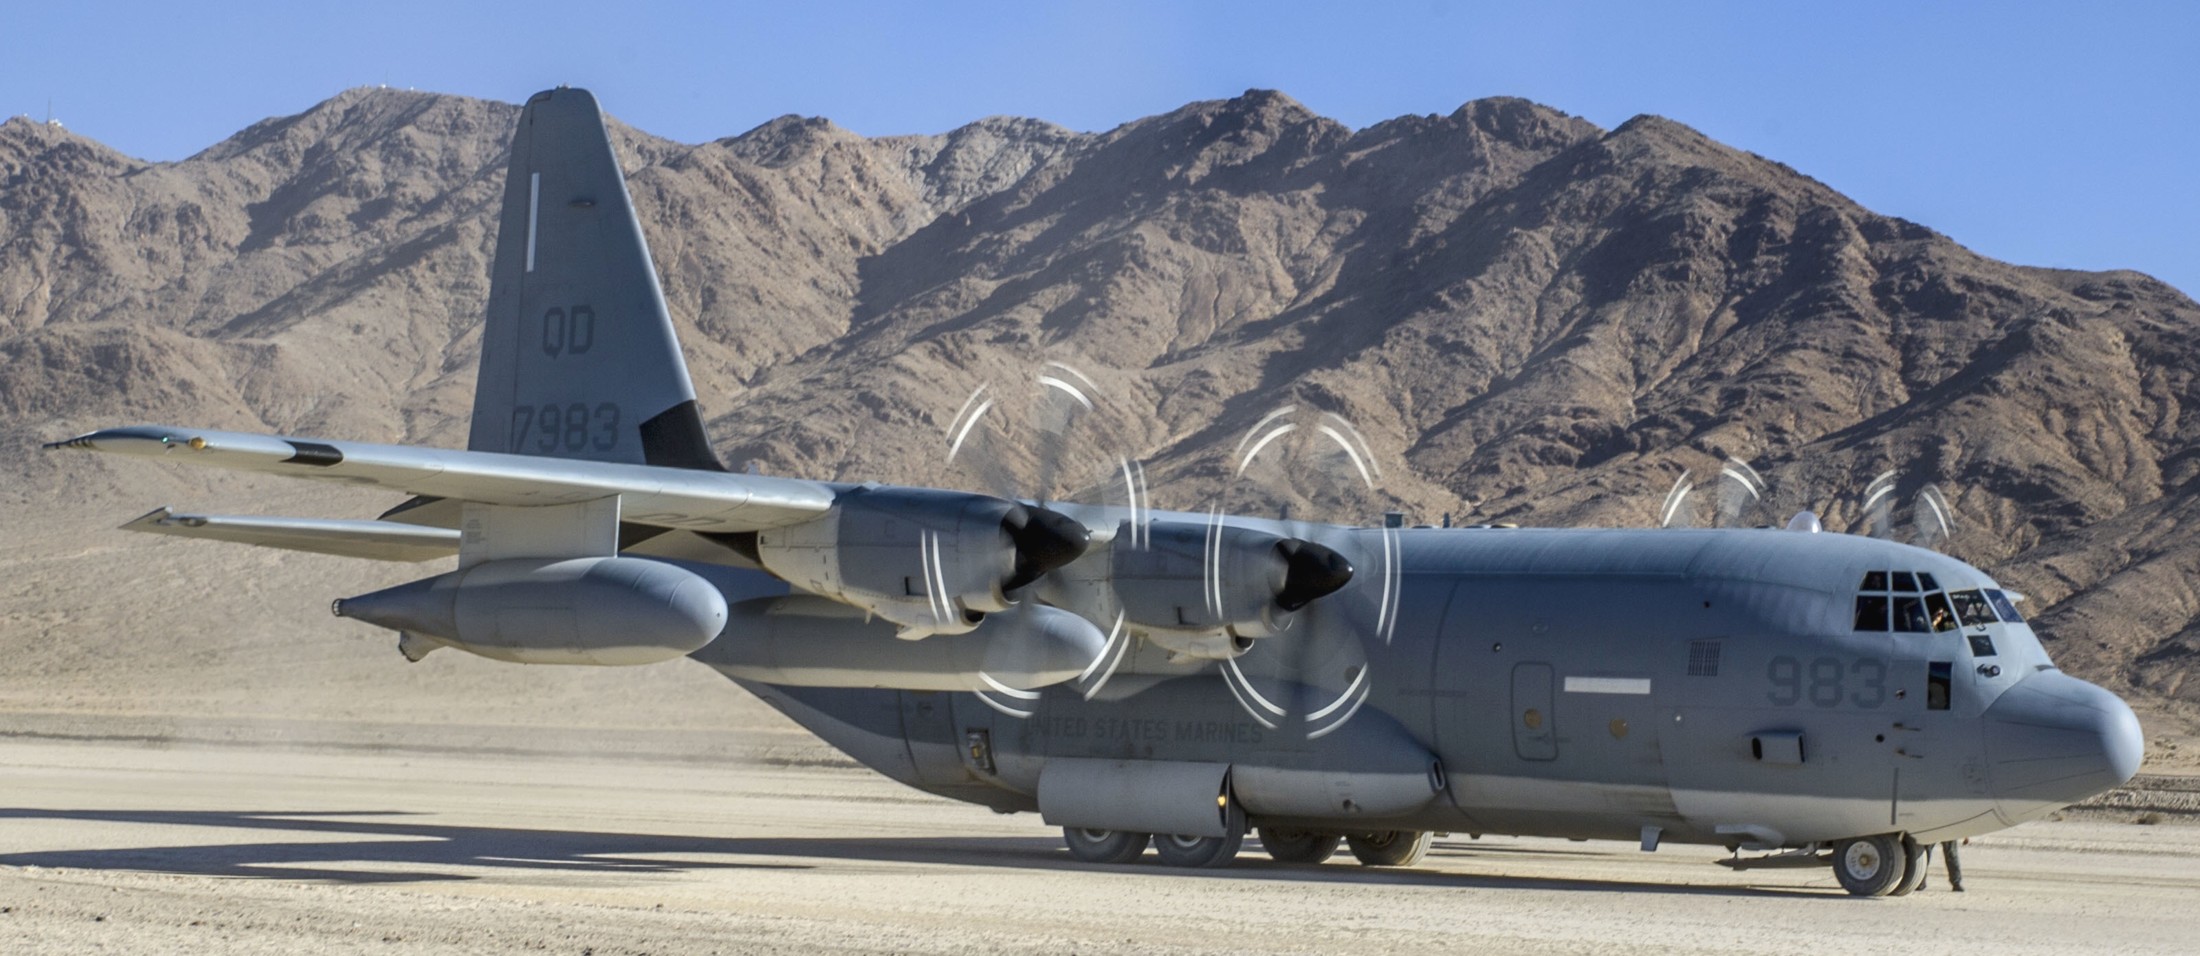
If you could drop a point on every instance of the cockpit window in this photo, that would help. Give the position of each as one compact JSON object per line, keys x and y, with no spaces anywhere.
{"x":1971,"y":607}
{"x":1874,"y":581}
{"x":1871,"y":612}
{"x":1909,"y":615}
{"x":2003,"y":606}
{"x":1936,"y":608}
{"x":1925,"y":582}
{"x":1905,"y":581}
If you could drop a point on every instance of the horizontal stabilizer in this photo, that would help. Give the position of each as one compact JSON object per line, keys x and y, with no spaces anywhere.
{"x":654,"y":496}
{"x":376,"y":540}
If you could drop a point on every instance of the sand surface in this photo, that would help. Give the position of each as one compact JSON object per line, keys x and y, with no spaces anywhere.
{"x":467,"y":845}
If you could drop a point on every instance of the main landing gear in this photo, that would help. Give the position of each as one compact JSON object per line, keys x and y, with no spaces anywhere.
{"x":1284,"y":845}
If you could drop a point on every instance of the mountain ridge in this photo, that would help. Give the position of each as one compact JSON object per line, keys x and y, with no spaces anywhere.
{"x":1530,"y":318}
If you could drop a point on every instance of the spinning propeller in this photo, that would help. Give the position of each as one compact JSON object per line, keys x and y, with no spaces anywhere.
{"x":1194,"y":590}
{"x":1741,"y":501}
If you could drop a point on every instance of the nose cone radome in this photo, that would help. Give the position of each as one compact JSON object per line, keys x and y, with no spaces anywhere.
{"x":2055,"y":740}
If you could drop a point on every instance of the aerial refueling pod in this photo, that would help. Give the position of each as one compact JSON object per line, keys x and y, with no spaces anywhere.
{"x":932,"y":562}
{"x":805,"y":641}
{"x":603,"y":611}
{"x":1207,"y":589}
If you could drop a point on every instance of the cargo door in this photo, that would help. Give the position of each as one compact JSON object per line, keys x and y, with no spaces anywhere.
{"x":1535,"y":732}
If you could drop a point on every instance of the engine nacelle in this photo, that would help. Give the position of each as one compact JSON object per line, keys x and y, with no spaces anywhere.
{"x":931,"y":562}
{"x":606,"y":611}
{"x":1206,"y":589}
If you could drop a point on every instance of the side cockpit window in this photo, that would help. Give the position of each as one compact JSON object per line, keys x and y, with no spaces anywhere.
{"x":1971,"y":607}
{"x":2003,"y":606}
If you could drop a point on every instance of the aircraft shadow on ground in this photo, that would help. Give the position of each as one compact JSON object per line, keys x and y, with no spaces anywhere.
{"x":385,"y":847}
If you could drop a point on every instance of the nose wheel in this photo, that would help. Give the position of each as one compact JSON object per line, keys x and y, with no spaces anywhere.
{"x":1874,"y":865}
{"x":1914,"y":864}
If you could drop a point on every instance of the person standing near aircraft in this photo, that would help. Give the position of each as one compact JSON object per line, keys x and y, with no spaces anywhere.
{"x":1955,"y":865}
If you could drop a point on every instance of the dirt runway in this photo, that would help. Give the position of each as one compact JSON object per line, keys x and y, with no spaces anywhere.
{"x":131,"y":849}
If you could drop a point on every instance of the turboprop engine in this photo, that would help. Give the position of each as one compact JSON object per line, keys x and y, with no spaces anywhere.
{"x":603,"y":611}
{"x":1205,"y":589}
{"x":931,"y":562}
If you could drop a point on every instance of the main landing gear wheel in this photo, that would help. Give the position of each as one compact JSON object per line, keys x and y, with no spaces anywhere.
{"x":1914,"y":865}
{"x":1292,"y":845}
{"x":1105,"y":846}
{"x":1391,"y":847}
{"x":1176,"y":849}
{"x":1870,"y":866}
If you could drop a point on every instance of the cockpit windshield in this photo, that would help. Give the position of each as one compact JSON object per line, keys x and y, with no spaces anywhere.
{"x":1911,"y":602}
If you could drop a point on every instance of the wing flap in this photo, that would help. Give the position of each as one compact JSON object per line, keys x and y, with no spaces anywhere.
{"x":662,"y":497}
{"x":375,"y":540}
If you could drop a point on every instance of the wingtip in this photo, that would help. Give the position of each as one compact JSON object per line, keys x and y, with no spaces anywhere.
{"x":153,"y":517}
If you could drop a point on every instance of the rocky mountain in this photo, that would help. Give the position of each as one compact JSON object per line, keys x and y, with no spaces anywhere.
{"x":1529,"y":319}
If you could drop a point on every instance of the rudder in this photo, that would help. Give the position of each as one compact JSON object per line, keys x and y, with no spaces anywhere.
{"x":578,"y":354}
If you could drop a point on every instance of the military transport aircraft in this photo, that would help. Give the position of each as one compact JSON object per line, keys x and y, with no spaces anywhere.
{"x":1142,"y":677}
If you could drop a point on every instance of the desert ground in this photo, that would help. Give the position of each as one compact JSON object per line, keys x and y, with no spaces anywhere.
{"x":265,"y":837}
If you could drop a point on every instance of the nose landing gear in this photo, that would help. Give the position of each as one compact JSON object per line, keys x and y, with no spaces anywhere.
{"x":1884,"y":865}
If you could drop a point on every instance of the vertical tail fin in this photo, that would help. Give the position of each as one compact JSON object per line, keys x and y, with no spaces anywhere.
{"x":578,"y":356}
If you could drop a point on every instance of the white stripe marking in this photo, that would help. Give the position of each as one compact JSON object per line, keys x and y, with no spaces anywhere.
{"x":534,"y":202}
{"x":1341,"y":698}
{"x":1349,"y":452}
{"x":988,"y":700}
{"x":1231,"y":667}
{"x":1005,"y":689}
{"x":1263,"y":423}
{"x":1055,"y":383}
{"x":968,"y":426}
{"x":1247,"y":461}
{"x":1339,"y":722}
{"x":1607,"y":685}
{"x":1245,"y":704}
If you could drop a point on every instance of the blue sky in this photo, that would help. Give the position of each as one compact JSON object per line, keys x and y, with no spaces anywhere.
{"x":2045,"y":134}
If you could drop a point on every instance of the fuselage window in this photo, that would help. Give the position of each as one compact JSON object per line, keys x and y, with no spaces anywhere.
{"x":1936,"y":608}
{"x":1938,"y":679}
{"x":1871,"y":612}
{"x":1905,"y":581}
{"x":1971,"y":607}
{"x":1909,"y":615}
{"x":1982,"y":644}
{"x":2004,"y":607}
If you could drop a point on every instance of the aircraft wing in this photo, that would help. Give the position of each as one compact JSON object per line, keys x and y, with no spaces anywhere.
{"x":663,"y":497}
{"x":375,"y":540}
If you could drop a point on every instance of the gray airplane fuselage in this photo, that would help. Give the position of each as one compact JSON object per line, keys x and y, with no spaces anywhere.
{"x":1711,"y":684}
